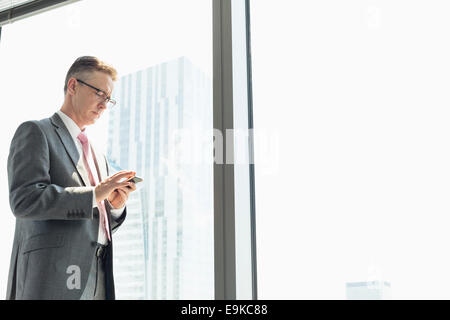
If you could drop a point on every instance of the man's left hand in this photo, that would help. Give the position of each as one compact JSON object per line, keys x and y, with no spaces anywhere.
{"x":119,"y":196}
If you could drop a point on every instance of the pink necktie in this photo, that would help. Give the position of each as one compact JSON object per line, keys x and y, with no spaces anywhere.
{"x":94,"y":181}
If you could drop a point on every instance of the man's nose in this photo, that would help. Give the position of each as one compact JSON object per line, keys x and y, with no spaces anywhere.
{"x":102,"y":105}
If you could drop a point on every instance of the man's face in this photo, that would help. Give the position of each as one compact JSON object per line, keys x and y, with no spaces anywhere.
{"x":87,"y":105}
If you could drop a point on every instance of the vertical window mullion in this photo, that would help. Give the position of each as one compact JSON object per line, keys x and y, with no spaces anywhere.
{"x":224,"y":228}
{"x":234,"y":224}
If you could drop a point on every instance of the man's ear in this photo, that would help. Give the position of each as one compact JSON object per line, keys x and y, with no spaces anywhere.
{"x":71,"y":85}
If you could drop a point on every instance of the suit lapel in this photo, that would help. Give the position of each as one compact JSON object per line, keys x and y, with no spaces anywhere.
{"x":71,"y":148}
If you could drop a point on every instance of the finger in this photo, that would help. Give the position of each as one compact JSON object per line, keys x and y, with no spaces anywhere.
{"x":124,"y":184}
{"x":133,"y":187}
{"x":125,"y":175}
{"x":123,"y":194}
{"x":119,"y":173}
{"x":118,"y":189}
{"x":127,"y":189}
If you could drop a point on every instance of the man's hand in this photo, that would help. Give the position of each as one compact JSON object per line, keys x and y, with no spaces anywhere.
{"x":119,"y":196}
{"x":110,"y":184}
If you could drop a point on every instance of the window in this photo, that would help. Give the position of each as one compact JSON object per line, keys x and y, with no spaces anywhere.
{"x":352,"y":192}
{"x":163,"y":52}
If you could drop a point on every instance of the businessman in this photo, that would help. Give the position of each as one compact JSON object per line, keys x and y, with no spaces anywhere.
{"x":65,"y":203}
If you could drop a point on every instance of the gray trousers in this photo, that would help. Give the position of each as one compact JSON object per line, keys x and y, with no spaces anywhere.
{"x":96,"y":286}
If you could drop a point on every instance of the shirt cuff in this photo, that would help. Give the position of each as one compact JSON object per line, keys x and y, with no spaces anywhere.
{"x":116,"y":213}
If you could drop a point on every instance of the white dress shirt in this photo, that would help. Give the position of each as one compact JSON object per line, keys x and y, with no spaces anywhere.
{"x":74,"y":131}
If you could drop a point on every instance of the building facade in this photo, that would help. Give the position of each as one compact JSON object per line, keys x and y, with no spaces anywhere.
{"x":162,"y":129}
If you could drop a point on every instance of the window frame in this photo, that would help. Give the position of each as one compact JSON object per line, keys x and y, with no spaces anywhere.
{"x":30,"y":9}
{"x":224,"y":174}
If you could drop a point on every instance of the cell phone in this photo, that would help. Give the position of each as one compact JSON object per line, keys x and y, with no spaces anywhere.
{"x":136,"y":179}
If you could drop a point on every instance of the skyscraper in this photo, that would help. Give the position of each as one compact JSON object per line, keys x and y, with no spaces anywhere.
{"x":164,"y":250}
{"x":372,"y":290}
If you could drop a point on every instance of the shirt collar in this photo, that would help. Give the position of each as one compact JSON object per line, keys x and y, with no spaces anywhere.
{"x":73,"y":128}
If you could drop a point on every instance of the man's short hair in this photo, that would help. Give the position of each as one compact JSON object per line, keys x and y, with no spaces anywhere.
{"x":83,"y":66}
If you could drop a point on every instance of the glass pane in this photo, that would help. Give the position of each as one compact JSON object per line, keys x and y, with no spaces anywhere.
{"x":352,"y":196}
{"x":241,"y":154}
{"x":161,"y":127}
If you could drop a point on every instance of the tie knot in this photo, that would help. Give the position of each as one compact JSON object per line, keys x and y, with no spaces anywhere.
{"x":83,"y":138}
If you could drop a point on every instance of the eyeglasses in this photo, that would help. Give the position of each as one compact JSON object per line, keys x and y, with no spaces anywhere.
{"x":101,"y":95}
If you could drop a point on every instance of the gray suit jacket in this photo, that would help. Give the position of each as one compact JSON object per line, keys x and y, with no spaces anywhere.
{"x":56,"y":228}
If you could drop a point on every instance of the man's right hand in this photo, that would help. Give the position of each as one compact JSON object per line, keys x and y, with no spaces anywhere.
{"x":105,"y":187}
